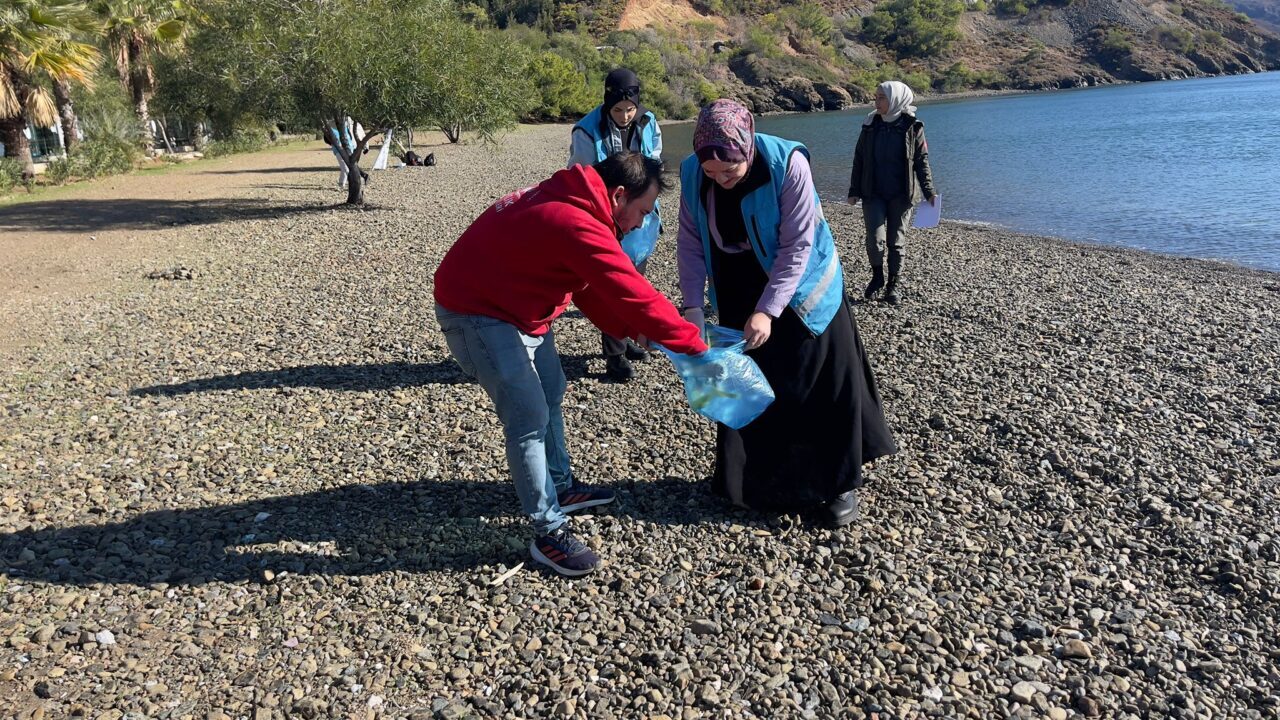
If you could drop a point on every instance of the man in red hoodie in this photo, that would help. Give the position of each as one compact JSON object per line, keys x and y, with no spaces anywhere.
{"x":512,"y":273}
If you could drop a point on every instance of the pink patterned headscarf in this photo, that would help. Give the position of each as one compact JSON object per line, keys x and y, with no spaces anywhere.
{"x":725,"y":132}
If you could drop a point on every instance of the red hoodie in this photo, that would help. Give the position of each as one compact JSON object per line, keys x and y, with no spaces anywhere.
{"x":532,"y":252}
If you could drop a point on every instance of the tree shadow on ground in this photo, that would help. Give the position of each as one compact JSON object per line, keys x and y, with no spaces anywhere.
{"x":351,"y":530}
{"x":350,"y":378}
{"x":59,"y":216}
{"x":272,"y":171}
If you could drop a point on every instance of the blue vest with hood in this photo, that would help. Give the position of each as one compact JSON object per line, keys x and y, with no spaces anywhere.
{"x":639,"y":243}
{"x":821,"y":288}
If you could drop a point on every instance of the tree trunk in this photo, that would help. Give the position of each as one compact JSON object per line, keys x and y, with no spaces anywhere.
{"x":140,"y":90}
{"x":13,"y":129}
{"x":16,"y":144}
{"x":355,"y":177}
{"x":355,"y":181}
{"x":66,"y":115}
{"x":453,"y":133}
{"x":164,"y":133}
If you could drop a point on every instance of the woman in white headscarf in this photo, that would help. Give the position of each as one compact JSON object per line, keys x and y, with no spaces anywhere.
{"x":890,"y":175}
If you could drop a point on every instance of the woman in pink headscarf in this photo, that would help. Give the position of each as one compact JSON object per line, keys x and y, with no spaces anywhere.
{"x":753,"y":238}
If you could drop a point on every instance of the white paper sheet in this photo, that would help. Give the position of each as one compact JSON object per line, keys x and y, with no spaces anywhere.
{"x":381,"y":162}
{"x":927,"y":215}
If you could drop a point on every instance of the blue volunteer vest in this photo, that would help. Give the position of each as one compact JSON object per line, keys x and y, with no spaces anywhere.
{"x":821,"y":288}
{"x":639,"y":243}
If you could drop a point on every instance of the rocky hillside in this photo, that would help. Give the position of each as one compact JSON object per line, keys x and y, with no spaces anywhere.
{"x":1091,"y":42}
{"x":1264,"y":12}
{"x":815,"y":56}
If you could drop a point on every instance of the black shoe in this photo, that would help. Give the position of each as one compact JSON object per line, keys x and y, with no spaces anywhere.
{"x":635,"y":352}
{"x":580,"y":496}
{"x":877,"y":282}
{"x":618,"y":368}
{"x":843,"y":510}
{"x":564,"y":553}
{"x":891,"y":292}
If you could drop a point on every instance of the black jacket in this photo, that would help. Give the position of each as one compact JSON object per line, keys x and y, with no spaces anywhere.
{"x":919,"y":178}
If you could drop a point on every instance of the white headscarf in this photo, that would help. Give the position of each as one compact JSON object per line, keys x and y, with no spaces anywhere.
{"x":900,"y":98}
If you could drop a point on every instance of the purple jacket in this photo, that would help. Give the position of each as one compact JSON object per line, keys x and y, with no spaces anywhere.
{"x":795,"y":238}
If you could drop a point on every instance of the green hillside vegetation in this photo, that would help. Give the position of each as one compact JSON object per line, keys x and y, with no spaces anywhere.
{"x":783,"y":56}
{"x":244,"y":71}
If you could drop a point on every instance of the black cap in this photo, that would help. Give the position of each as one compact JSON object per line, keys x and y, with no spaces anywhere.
{"x":619,"y":85}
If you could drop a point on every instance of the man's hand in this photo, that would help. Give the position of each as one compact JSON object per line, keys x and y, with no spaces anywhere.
{"x":853,"y":199}
{"x":759,"y":328}
{"x":643,"y":342}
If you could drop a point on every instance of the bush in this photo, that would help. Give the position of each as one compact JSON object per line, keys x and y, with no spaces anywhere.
{"x":954,"y":79}
{"x":809,"y":25}
{"x":761,"y":42}
{"x":1111,"y":43}
{"x":240,"y":141}
{"x":1014,"y":8}
{"x":10,"y":174}
{"x":98,"y":156}
{"x":869,"y":79}
{"x":1177,"y":39}
{"x":914,"y":28}
{"x":562,"y":89}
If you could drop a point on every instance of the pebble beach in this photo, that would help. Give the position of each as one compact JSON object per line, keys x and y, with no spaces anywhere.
{"x":260,"y":488}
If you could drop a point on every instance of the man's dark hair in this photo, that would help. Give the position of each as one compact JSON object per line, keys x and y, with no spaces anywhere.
{"x":633,"y":172}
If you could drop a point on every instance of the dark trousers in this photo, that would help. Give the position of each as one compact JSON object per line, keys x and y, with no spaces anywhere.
{"x":887,"y":222}
{"x":616,"y":346}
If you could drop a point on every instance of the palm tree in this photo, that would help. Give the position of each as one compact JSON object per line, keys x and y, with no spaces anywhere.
{"x":37,"y":36}
{"x":62,"y":93}
{"x":135,"y":30}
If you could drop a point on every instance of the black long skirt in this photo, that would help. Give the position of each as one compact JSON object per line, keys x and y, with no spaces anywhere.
{"x":826,"y":421}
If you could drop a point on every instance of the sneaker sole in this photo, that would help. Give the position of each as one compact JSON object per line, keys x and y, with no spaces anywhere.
{"x":567,"y":572}
{"x":585,"y":504}
{"x":843,"y":520}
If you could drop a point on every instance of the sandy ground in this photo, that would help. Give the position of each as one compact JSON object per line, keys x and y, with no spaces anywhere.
{"x":66,"y":243}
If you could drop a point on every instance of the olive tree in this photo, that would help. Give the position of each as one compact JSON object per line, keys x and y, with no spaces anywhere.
{"x":383,"y":63}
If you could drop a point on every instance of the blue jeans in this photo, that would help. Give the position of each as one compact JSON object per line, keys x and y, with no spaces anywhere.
{"x":523,"y":377}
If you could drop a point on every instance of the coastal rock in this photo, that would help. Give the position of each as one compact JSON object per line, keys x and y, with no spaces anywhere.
{"x":833,"y":97}
{"x":798,"y":94}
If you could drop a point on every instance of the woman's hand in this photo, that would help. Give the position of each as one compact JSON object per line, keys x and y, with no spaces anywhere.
{"x":697,"y":318}
{"x":756,"y":333}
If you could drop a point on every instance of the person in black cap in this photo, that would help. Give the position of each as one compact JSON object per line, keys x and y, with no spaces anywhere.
{"x":620,"y":124}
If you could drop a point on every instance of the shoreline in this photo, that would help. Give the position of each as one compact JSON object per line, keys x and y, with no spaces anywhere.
{"x":933,"y":98}
{"x":1098,"y":245}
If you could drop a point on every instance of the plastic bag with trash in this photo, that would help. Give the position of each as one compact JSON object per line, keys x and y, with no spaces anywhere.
{"x":639,"y":243}
{"x":723,"y":384}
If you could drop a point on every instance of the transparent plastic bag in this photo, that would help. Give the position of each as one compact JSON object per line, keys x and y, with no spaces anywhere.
{"x":723,"y":384}
{"x":640,"y":243}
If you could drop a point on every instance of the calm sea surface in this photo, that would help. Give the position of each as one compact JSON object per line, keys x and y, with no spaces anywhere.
{"x":1189,"y":167}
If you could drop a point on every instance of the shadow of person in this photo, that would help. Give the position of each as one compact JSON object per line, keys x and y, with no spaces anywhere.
{"x":352,"y":530}
{"x":352,"y":378}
